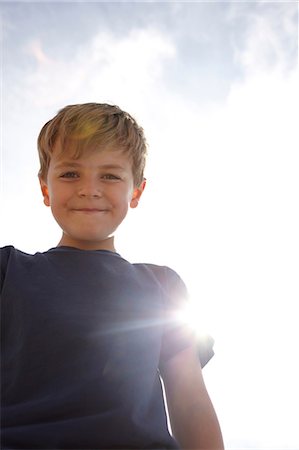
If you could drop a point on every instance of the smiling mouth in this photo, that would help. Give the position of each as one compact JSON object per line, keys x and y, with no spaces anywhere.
{"x":90,"y":210}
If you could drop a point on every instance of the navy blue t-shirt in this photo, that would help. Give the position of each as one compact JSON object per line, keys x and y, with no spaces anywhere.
{"x":82,"y":338}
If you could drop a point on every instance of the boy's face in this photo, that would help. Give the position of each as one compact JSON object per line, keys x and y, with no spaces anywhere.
{"x":90,"y":196}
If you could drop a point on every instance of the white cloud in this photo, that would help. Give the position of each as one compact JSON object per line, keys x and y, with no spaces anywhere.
{"x":270,"y":35}
{"x":105,"y":68}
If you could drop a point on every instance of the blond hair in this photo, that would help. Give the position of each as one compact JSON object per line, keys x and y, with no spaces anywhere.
{"x":93,"y":126}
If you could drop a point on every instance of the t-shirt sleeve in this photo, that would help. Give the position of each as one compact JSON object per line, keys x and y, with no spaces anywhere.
{"x":178,"y":334}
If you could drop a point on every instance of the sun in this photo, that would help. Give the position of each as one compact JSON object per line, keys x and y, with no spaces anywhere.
{"x":192,"y":314}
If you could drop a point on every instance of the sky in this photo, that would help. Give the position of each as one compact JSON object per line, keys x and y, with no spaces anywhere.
{"x":215,"y":87}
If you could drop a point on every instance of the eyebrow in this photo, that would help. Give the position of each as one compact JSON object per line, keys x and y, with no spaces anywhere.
{"x":76,"y":164}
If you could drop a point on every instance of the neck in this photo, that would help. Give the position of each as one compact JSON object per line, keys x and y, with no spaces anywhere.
{"x":106,"y":244}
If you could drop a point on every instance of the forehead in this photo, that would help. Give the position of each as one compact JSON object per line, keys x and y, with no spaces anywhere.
{"x":93,"y":156}
{"x":75,"y":149}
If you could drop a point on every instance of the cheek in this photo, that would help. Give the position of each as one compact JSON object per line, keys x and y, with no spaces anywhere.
{"x":59,"y":196}
{"x":120,"y":197}
{"x":121,"y":205}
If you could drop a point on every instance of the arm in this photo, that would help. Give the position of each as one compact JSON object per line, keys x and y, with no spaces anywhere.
{"x":192,"y":417}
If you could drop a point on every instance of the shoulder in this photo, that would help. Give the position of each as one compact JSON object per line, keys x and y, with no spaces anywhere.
{"x":11,"y":259}
{"x":6,"y":250}
{"x":163,"y":274}
{"x":169,"y":281}
{"x":9,"y":252}
{"x":5,"y":254}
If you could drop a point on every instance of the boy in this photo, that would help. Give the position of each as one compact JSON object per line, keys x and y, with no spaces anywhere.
{"x":86,"y":335}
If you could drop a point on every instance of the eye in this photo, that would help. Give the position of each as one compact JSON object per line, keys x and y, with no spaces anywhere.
{"x":110,"y":176}
{"x":69,"y":175}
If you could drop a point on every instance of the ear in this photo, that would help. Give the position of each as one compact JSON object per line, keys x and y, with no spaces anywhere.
{"x":45,"y":192}
{"x":137,"y":194}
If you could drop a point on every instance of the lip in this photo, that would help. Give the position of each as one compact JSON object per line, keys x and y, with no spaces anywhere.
{"x":90,"y":210}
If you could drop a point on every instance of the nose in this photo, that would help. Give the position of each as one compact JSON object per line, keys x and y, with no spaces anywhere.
{"x":90,"y":188}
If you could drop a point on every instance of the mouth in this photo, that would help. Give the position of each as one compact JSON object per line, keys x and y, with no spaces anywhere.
{"x":90,"y":210}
